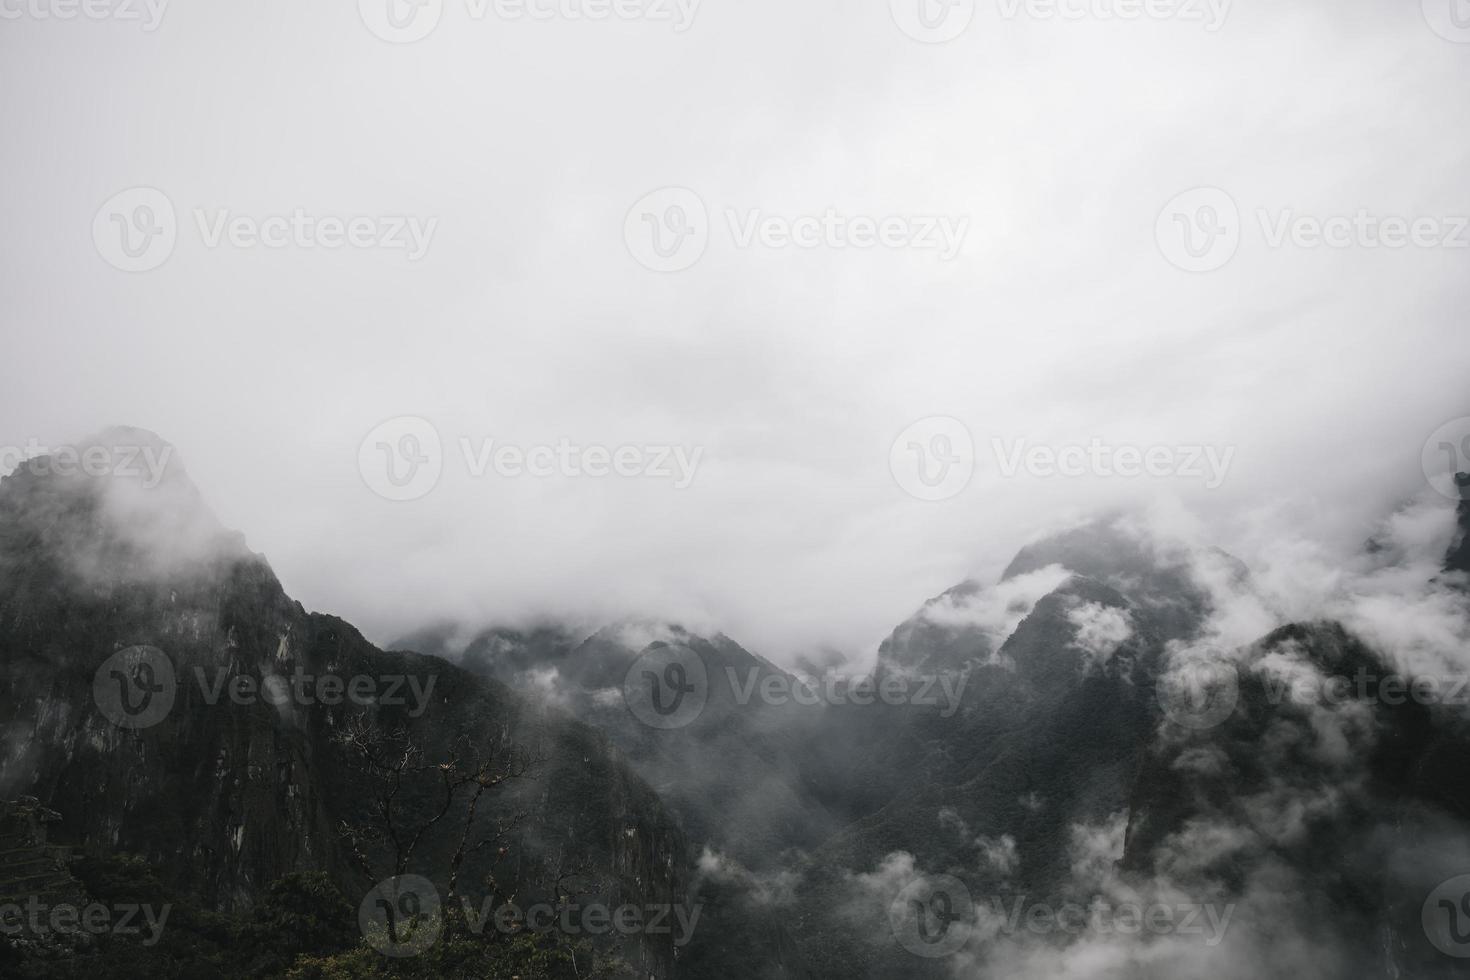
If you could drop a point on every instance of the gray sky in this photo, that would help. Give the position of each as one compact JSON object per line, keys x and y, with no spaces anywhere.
{"x":530,"y":320}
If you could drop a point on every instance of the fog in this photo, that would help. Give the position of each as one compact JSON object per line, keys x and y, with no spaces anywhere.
{"x":516,"y":151}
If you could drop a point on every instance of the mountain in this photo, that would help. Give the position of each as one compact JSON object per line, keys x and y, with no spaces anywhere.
{"x":1122,"y":720}
{"x":1458,"y":559}
{"x":1339,"y":800}
{"x":162,"y":694}
{"x":1075,"y":775}
{"x":1073,"y":770}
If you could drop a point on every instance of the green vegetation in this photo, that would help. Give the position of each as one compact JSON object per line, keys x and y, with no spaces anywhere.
{"x":303,"y":930}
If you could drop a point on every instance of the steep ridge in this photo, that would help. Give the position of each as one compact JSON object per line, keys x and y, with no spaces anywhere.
{"x":245,"y":775}
{"x":1058,"y":766}
{"x":1074,"y":774}
{"x":738,"y":772}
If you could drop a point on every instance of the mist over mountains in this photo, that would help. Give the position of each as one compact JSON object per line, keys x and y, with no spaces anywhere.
{"x":1130,"y":755}
{"x":660,"y":489}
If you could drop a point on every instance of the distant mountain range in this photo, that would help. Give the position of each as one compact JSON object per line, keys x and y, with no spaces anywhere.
{"x":1097,"y":730}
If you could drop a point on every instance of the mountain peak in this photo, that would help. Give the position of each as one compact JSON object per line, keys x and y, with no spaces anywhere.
{"x":114,"y":505}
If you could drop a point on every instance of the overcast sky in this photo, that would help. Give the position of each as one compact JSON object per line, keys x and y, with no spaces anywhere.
{"x":518,"y":148}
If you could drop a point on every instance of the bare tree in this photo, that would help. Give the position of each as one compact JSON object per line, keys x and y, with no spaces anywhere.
{"x":392,"y":758}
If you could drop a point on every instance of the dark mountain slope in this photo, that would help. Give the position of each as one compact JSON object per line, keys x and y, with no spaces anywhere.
{"x":225,"y":794}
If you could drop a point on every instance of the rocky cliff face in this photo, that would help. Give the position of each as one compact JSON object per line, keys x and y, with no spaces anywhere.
{"x":1458,"y":559}
{"x":1327,"y":788}
{"x":1073,"y":774}
{"x":161,"y":692}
